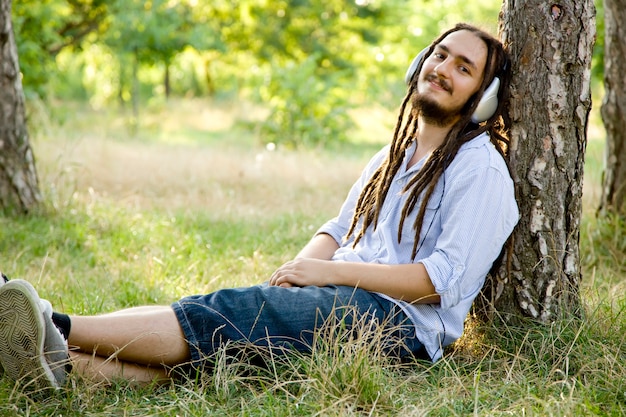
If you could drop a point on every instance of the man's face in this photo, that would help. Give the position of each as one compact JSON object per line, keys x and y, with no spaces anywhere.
{"x":449,"y":77}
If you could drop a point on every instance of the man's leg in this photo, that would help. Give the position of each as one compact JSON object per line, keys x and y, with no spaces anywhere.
{"x":135,"y":344}
{"x":99,"y":369}
{"x":144,"y":335}
{"x":286,"y":318}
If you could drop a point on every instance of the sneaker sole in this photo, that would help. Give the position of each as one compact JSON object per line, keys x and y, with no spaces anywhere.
{"x":22,"y":333}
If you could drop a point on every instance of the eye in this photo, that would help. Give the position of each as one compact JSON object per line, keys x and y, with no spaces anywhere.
{"x":439,"y":55}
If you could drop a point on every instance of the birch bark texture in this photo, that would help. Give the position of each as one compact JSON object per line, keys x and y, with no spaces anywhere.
{"x":19,"y":185}
{"x":613,"y":108}
{"x":551,"y":45}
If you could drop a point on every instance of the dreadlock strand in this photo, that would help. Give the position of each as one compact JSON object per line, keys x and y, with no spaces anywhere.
{"x":394,"y":143}
{"x":412,"y":201}
{"x":419,"y":221}
{"x":370,"y":202}
{"x":418,"y":183}
{"x":364,"y":203}
{"x":393,"y":164}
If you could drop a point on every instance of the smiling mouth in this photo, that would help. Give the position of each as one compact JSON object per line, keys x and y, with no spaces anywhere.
{"x":441,"y":83}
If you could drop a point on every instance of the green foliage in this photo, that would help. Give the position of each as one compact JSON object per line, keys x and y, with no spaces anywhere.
{"x":154,"y":30}
{"x":605,"y":244}
{"x":32,"y":38}
{"x":304,"y":109}
{"x":45,"y":27}
{"x":138,"y":50}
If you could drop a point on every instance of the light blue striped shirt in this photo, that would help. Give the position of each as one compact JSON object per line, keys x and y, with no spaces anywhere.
{"x":469,"y":217}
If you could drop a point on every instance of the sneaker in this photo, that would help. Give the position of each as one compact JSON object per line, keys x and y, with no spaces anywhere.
{"x":54,"y":346}
{"x":23,"y":326}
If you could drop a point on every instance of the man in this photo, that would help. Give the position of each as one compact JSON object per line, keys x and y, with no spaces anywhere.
{"x":408,"y":251}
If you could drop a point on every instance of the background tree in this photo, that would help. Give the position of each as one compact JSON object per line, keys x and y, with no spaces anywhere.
{"x":46,"y":27}
{"x":613,"y":108}
{"x":344,"y":54}
{"x":147,"y":33}
{"x":551,"y":46}
{"x":19,"y":189}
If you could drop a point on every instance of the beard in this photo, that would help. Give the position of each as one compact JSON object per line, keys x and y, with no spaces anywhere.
{"x":433,"y":112}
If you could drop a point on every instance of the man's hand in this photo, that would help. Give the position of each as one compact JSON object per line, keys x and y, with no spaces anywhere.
{"x":301,"y":272}
{"x":408,"y":282}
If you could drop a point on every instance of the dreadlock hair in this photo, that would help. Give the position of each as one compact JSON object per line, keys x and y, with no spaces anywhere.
{"x":373,"y":195}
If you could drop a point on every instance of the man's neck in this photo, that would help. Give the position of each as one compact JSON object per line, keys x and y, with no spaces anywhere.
{"x":428,"y":137}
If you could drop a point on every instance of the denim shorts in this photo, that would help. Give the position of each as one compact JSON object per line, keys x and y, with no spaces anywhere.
{"x":283,"y":319}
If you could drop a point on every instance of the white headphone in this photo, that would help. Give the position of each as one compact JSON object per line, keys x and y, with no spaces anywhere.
{"x":488,"y":102}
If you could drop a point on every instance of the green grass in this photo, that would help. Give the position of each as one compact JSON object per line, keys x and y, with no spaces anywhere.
{"x":129,"y":221}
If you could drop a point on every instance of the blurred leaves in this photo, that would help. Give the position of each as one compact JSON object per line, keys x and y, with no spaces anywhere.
{"x":305,"y":109}
{"x":349,"y":52}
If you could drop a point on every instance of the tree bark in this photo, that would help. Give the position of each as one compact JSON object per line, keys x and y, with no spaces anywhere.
{"x":613,"y":108}
{"x":550,"y":99}
{"x":19,"y":189}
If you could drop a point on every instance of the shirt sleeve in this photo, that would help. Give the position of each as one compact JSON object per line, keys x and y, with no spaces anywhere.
{"x":478,"y":213}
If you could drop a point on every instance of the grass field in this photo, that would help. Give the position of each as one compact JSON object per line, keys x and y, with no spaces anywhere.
{"x":190,"y":203}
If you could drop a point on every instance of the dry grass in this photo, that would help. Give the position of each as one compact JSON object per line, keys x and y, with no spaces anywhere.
{"x":166,"y":174}
{"x":245,"y":182}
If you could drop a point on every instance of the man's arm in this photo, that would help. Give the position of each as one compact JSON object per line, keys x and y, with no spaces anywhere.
{"x":409,"y":282}
{"x":321,"y":246}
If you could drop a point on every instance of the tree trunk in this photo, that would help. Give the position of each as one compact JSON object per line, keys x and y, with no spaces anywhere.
{"x":551,"y":45}
{"x":167,"y":81}
{"x":614,"y":107}
{"x":208,"y":77}
{"x":134,"y":95}
{"x":19,"y":190}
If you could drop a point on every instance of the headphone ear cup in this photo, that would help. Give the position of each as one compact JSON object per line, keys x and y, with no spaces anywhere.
{"x":414,"y":65}
{"x":488,"y":103}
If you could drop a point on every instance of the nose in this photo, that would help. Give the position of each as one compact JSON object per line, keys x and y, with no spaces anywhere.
{"x":443,"y":68}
